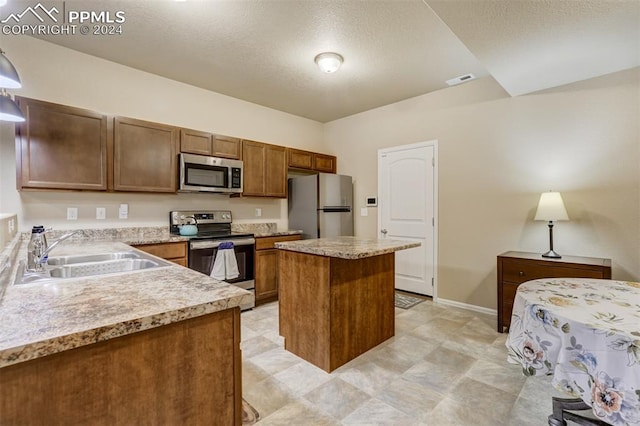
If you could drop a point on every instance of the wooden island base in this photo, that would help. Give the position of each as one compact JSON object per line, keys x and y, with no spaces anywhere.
{"x":333,"y":309}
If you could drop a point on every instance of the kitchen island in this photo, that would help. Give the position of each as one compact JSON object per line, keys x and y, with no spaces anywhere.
{"x":336,"y":297}
{"x":155,"y":346}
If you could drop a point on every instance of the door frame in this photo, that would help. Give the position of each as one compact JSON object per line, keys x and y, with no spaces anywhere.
{"x":434,"y":144}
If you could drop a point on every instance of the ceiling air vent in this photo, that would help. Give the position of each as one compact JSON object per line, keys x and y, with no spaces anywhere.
{"x":461,"y":79}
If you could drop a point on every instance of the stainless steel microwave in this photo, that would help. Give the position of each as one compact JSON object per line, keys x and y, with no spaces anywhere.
{"x":200,"y":173}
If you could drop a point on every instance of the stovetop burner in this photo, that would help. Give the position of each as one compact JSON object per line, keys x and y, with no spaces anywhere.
{"x":212,"y":224}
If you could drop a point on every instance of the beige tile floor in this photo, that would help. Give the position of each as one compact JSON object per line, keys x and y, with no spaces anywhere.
{"x":444,"y":366}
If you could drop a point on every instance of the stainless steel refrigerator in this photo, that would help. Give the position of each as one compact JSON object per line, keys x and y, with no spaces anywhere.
{"x":321,"y":205}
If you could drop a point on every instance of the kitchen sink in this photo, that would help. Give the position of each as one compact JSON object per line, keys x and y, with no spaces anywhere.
{"x":84,"y":258}
{"x":101,"y":268}
{"x":58,"y":269}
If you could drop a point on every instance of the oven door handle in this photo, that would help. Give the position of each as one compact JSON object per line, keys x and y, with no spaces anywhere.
{"x":199,"y":245}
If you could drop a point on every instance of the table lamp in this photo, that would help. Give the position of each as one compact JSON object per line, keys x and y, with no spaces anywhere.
{"x":550,"y":208}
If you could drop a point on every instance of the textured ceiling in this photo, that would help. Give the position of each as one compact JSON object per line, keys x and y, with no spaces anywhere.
{"x":533,"y":45}
{"x":263,"y":51}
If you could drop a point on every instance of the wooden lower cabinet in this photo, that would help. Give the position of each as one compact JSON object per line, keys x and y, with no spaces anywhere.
{"x":173,"y":252}
{"x":185,"y":373}
{"x":516,"y":267}
{"x":266,"y":267}
{"x":332,"y":310}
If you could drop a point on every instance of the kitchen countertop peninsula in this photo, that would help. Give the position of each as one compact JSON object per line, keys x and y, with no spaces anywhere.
{"x":336,"y":297}
{"x":42,"y":319}
{"x":158,"y":345}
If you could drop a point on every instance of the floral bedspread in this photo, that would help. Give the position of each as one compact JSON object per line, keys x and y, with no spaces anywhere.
{"x":586,"y":333}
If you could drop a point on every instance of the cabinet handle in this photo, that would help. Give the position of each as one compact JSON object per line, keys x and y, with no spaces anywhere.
{"x":521,"y":273}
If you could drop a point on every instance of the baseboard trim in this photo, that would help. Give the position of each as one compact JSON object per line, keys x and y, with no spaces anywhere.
{"x":467,"y":306}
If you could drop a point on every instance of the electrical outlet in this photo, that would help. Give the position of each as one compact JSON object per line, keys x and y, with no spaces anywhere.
{"x":258,"y":212}
{"x":72,"y":213}
{"x":12,"y":225}
{"x":123,"y":211}
{"x":101,"y":213}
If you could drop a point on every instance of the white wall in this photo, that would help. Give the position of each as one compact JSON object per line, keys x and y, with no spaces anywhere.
{"x":496,"y":155}
{"x":56,"y":74}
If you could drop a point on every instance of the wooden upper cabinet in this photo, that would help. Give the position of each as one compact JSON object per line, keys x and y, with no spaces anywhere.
{"x":226,"y":147}
{"x":61,"y":147}
{"x":145,"y":156}
{"x":195,"y":142}
{"x":204,"y":143}
{"x":324,"y":163}
{"x":254,"y":160}
{"x":307,"y":160}
{"x":265,"y":169}
{"x":299,"y":159}
{"x":276,"y":172}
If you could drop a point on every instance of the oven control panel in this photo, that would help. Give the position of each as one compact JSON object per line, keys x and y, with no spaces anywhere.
{"x":201,"y":217}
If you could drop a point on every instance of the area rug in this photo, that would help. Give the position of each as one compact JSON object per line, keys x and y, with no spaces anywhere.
{"x":405,"y":302}
{"x":249,"y":414}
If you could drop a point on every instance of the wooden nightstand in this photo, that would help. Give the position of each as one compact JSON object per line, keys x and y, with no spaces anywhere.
{"x":515,"y":267}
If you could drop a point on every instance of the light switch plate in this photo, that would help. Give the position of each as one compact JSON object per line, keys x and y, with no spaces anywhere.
{"x":101,"y":213}
{"x":72,"y":213}
{"x":364,"y":211}
{"x":123,"y":211}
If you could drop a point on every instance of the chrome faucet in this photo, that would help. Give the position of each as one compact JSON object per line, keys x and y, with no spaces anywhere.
{"x":39,"y":252}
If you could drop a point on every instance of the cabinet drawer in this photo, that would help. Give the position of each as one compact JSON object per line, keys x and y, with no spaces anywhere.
{"x":508,"y":297}
{"x":165,"y":250}
{"x":265,"y":243}
{"x":519,"y":272}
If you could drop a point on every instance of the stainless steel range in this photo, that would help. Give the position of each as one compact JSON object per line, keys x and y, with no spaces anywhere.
{"x":214,"y":228}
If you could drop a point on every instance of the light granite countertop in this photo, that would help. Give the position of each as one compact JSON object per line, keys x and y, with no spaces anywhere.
{"x":276,"y":233}
{"x":42,"y":319}
{"x":346,"y":247}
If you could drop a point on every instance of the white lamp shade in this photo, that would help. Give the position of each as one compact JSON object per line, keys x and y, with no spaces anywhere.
{"x":329,"y":62}
{"x":551,"y":207}
{"x":9,"y":111}
{"x":8,"y":75}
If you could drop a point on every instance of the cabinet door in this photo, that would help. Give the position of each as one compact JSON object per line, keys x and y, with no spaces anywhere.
{"x":226,"y":147}
{"x":145,"y":156}
{"x":266,"y":280}
{"x":254,"y":159}
{"x":61,"y":147}
{"x":276,"y":171}
{"x":299,"y":159}
{"x":324,"y":163}
{"x":195,"y":142}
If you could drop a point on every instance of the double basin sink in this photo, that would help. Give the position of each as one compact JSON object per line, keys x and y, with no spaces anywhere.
{"x":86,"y":265}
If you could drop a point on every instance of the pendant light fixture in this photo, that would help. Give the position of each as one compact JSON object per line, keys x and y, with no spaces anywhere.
{"x":9,"y":110}
{"x":9,"y":79}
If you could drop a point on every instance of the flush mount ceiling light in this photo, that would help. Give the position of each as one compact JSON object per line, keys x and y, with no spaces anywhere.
{"x":329,"y":61}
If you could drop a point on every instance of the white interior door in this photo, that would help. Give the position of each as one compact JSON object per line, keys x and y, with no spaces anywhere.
{"x":406,"y":211}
